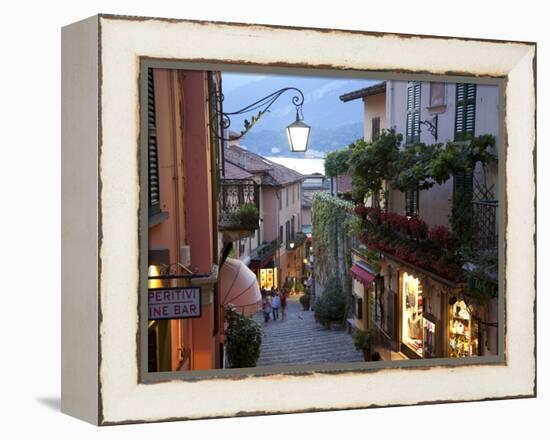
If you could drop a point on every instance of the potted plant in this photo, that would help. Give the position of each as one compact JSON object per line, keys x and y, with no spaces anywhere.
{"x":362,"y":342}
{"x":248,"y":216}
{"x":243,"y":338}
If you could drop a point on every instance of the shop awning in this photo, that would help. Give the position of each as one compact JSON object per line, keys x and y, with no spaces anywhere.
{"x":238,"y":286}
{"x":361,"y":275}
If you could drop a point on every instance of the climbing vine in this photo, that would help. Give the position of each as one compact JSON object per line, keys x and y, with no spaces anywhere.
{"x":330,"y":224}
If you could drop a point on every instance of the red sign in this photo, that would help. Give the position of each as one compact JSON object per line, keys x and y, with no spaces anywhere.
{"x":174,"y":303}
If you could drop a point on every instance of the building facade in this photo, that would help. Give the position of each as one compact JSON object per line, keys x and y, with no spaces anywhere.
{"x":276,"y":252}
{"x":195,"y":213}
{"x":412,"y":311}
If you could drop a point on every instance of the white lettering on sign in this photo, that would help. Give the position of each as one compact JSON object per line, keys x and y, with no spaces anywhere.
{"x":177,"y":303}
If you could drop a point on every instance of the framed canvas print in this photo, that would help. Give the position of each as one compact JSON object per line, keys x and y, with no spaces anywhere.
{"x":346,"y":218}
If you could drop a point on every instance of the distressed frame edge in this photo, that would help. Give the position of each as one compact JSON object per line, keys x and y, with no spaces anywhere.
{"x":103,"y":422}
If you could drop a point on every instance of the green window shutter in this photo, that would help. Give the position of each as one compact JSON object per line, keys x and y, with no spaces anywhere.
{"x":413,"y":113}
{"x":411,"y":202}
{"x":465,"y":116}
{"x":153,"y":168}
{"x":463,"y":194}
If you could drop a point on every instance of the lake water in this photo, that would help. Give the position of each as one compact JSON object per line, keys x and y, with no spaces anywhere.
{"x":302,"y":165}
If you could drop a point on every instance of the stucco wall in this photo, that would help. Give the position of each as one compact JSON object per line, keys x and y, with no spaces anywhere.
{"x":374,"y":107}
{"x":435,"y":203}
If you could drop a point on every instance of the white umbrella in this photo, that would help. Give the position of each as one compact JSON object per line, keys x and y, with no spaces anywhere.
{"x":238,"y":286}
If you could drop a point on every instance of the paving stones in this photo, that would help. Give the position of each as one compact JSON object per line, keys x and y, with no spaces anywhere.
{"x":298,"y":340}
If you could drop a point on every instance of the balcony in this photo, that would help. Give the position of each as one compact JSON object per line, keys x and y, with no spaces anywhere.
{"x":299,"y":240}
{"x":239,"y":202}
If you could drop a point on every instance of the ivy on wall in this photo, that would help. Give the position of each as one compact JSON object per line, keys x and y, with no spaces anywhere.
{"x":333,"y":224}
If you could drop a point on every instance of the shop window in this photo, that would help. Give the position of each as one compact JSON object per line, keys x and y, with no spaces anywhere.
{"x":358,"y":307}
{"x":463,"y":331}
{"x":428,"y":336}
{"x":411,"y":290}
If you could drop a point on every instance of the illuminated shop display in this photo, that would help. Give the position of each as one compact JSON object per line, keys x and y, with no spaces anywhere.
{"x":412,"y":333}
{"x":268,"y":278}
{"x":463,"y":331}
{"x":428,"y":336}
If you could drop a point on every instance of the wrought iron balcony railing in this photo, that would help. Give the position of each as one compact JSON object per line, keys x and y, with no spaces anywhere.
{"x":485,"y":225}
{"x":239,"y":202}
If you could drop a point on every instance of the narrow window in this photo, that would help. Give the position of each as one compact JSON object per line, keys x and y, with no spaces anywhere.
{"x":375,"y":128}
{"x":465,"y":111}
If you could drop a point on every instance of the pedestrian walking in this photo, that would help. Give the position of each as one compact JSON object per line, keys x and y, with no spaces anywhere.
{"x":284,"y":296}
{"x":275,"y":305}
{"x":266,"y":308}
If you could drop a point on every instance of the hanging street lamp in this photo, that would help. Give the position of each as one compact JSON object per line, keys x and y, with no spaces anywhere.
{"x":298,"y":135}
{"x":297,"y":131}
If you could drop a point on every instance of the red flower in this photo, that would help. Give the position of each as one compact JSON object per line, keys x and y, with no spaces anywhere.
{"x":441,"y":235}
{"x":374,"y":215}
{"x":360,"y":210}
{"x":418,"y":227}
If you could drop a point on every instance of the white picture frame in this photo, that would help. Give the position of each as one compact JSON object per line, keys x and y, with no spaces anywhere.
{"x":101,"y":57}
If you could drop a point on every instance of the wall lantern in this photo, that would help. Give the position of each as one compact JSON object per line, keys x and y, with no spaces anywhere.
{"x":297,"y":132}
{"x":305,"y":260}
{"x":291,"y":245}
{"x":298,"y":135}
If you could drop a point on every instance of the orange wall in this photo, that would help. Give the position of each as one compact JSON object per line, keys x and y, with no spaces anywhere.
{"x":186,"y":195}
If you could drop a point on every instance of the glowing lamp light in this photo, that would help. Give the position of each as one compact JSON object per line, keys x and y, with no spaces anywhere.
{"x":298,"y":135}
{"x":292,"y":245}
{"x":305,"y":260}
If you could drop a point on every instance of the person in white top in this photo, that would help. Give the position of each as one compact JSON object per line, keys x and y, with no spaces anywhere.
{"x":275,"y":305}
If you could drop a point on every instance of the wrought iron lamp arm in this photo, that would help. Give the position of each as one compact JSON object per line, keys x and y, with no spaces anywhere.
{"x":263,"y":104}
{"x":432,"y":126}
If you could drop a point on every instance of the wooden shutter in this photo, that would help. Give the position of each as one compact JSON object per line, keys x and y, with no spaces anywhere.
{"x":413,"y":113}
{"x":411,"y":202}
{"x":463,"y":192}
{"x":360,"y":308}
{"x":153,"y":168}
{"x":465,"y":117}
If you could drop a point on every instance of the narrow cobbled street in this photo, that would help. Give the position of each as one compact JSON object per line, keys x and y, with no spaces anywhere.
{"x":298,"y":339}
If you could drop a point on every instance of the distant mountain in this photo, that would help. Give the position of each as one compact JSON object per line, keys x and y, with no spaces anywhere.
{"x":322,"y":139}
{"x":334,"y":124}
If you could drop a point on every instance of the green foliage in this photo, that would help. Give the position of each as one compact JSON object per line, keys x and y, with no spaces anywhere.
{"x":298,"y":286}
{"x":412,"y":168}
{"x":305,"y":299}
{"x":247,"y":216}
{"x":337,"y":162}
{"x":362,"y":340}
{"x":371,"y":164}
{"x":331,"y":305}
{"x":330,"y":220}
{"x":243,"y":339}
